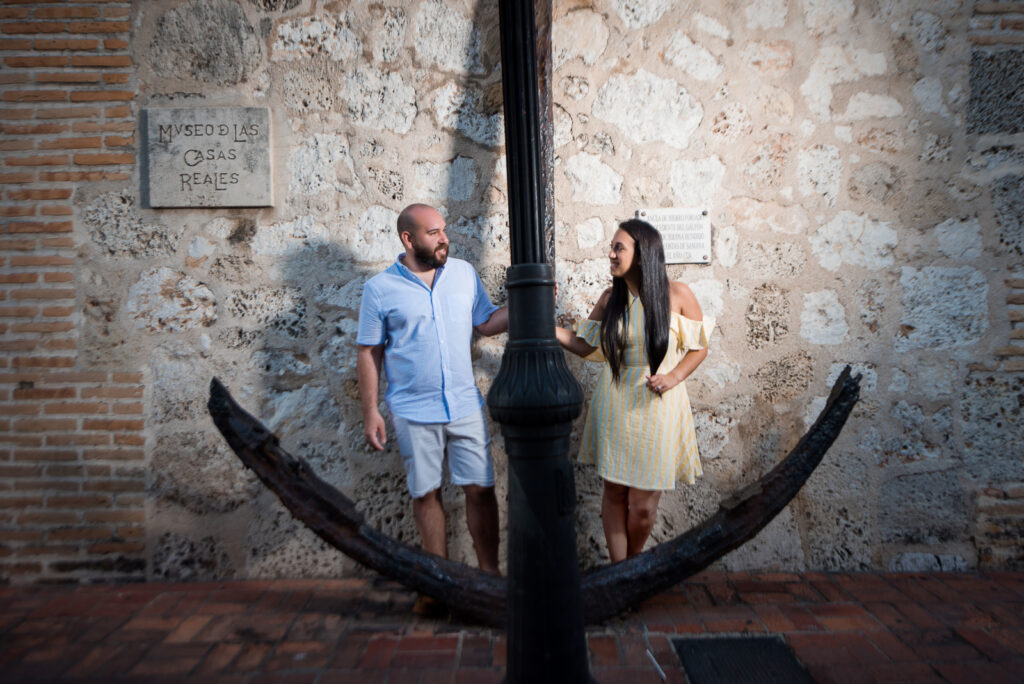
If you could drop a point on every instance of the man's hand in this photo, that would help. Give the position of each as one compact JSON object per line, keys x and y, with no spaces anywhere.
{"x":375,"y":431}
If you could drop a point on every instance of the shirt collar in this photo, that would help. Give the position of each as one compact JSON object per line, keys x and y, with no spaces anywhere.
{"x":408,"y":274}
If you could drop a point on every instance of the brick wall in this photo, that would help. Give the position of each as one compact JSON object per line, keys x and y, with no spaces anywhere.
{"x":72,"y":478}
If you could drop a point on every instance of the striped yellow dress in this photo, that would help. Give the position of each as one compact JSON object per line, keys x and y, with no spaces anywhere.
{"x":635,"y":437}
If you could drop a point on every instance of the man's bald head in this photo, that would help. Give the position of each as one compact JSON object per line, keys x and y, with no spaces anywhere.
{"x":414,"y":216}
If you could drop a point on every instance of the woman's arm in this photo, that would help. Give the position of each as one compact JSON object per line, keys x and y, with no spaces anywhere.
{"x":572,"y":342}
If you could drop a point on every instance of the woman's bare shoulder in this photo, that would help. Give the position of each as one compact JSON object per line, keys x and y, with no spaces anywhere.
{"x":683,"y":301}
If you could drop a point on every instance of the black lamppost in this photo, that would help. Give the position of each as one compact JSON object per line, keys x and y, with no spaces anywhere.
{"x":535,"y":398}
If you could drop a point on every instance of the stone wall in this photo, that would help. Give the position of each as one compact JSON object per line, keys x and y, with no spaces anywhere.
{"x":861,"y":163}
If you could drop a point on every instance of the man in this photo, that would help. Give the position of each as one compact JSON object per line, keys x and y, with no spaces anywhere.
{"x":417,"y":319}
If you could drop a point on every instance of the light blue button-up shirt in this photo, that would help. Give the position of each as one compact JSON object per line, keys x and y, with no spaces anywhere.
{"x":426,"y":335}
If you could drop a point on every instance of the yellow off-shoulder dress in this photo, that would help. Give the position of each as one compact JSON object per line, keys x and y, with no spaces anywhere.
{"x":634,"y":436}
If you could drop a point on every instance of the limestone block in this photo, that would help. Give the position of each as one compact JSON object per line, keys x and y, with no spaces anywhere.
{"x":640,"y":13}
{"x":104,"y":338}
{"x":710,"y":26}
{"x":649,"y":108}
{"x":195,"y":469}
{"x":389,"y":42}
{"x":726,"y":244}
{"x":177,"y":558}
{"x":290,"y":238}
{"x":943,"y":308}
{"x":1008,"y":202}
{"x":992,"y":425}
{"x":328,"y":35}
{"x":580,"y":286}
{"x":770,"y":59}
{"x":819,"y":169}
{"x":823,"y":319}
{"x":378,"y":100}
{"x":177,"y":393}
{"x":709,"y":294}
{"x":339,"y":353}
{"x":340,"y":296}
{"x":786,"y":378}
{"x":278,"y":545}
{"x":390,"y":184}
{"x":323,"y":164}
{"x":768,"y":261}
{"x":838,"y":516}
{"x":232,"y":268}
{"x":592,"y":181}
{"x":302,"y":412}
{"x":867,"y":371}
{"x":117,"y":228}
{"x":928,"y":93}
{"x":776,"y":547}
{"x":959,"y":239}
{"x":922,"y":508}
{"x":209,"y":40}
{"x":927,"y":562}
{"x":563,"y":126}
{"x":306,"y":90}
{"x":282,"y":369}
{"x":827,"y":16}
{"x":878,"y":182}
{"x":914,"y":435}
{"x":865,"y":105}
{"x":996,"y":104}
{"x":834,"y":64}
{"x":694,"y":59}
{"x":490,"y":231}
{"x":928,"y":31}
{"x":768,"y":160}
{"x":590,"y":233}
{"x":882,"y":140}
{"x":447,"y":38}
{"x":753,"y":215}
{"x":164,"y":300}
{"x":375,"y":238}
{"x":275,"y":5}
{"x":722,"y":374}
{"x":767,"y":316}
{"x":580,"y":34}
{"x":454,"y":180}
{"x":774,"y":102}
{"x":574,"y":87}
{"x":854,"y":239}
{"x":732,"y":122}
{"x":461,"y":110}
{"x":695,"y":183}
{"x":766,"y":13}
{"x":713,"y":431}
{"x":280,"y":309}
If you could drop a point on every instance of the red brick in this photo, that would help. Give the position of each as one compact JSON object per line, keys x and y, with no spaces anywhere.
{"x":10,"y":178}
{"x":68,"y":113}
{"x":15,"y":44}
{"x":40,"y":226}
{"x":115,"y":44}
{"x":40,"y":194}
{"x":66,"y":43}
{"x":30,"y":27}
{"x":23,"y":62}
{"x":99,"y":27}
{"x":67,"y":12}
{"x":379,"y":652}
{"x":75,"y":407}
{"x":35,"y":96}
{"x":78,"y":439}
{"x":71,"y":143}
{"x":101,"y":60}
{"x":101,"y":95}
{"x":79,"y":534}
{"x":128,"y":378}
{"x":39,"y":160}
{"x":43,"y":293}
{"x":106,"y":158}
{"x":112,"y":392}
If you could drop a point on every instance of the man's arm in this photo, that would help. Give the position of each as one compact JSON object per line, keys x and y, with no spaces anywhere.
{"x":497,"y":323}
{"x":368,"y":364}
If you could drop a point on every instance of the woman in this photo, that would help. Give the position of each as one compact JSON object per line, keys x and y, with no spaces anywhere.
{"x":651,"y":335}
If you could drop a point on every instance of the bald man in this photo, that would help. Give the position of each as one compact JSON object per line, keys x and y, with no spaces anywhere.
{"x":417,"y":320}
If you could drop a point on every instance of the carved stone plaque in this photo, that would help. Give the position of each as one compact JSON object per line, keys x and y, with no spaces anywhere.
{"x":208,"y":157}
{"x":686,"y":233}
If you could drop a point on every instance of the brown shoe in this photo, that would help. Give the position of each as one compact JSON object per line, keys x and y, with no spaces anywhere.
{"x":430,"y":608}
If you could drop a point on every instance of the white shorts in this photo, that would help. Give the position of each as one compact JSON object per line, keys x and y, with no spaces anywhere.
{"x":423,"y":446}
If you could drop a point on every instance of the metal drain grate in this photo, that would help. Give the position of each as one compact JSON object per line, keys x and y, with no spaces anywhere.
{"x":740,"y":660}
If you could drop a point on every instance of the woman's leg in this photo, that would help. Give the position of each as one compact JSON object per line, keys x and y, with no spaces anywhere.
{"x":643,"y":511}
{"x":614,"y":512}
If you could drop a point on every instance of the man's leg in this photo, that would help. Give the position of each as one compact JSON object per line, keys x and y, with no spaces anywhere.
{"x":428,"y":512}
{"x":482,"y":518}
{"x":469,"y":460}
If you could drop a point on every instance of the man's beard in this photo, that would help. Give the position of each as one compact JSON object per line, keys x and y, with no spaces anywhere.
{"x":429,"y":257}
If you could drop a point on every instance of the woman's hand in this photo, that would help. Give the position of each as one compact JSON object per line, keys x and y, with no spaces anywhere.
{"x":659,"y":384}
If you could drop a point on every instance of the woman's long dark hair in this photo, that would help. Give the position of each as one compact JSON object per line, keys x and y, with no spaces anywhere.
{"x":649,"y":266}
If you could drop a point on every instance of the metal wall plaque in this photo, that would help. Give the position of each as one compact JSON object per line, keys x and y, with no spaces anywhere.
{"x":685,"y":232}
{"x":208,"y":157}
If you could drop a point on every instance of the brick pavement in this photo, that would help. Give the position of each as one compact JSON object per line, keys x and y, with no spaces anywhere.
{"x":843,"y":628}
